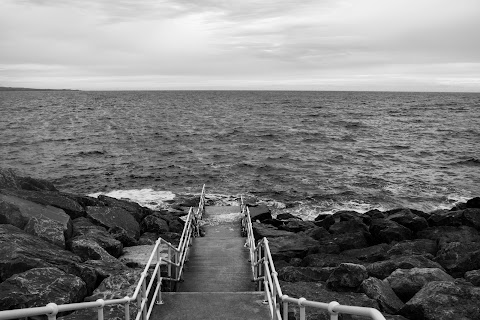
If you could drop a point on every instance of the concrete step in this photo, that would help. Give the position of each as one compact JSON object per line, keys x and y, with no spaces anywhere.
{"x":211,"y":305}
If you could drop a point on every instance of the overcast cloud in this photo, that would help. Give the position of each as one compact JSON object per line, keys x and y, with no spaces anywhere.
{"x":420,"y":45}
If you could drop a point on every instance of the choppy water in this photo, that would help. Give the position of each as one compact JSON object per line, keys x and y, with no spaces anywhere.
{"x":316,"y":151}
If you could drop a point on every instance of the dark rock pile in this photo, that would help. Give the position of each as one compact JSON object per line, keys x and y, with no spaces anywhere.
{"x":64,"y":248}
{"x":407,"y":263}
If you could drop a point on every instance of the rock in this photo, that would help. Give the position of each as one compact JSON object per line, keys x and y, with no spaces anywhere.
{"x":261,"y":230}
{"x":407,"y":282}
{"x":10,"y":180}
{"x":29,"y":209}
{"x":287,"y":216}
{"x":414,"y":247}
{"x":114,"y":287}
{"x":296,"y":225}
{"x":259,"y":213}
{"x":369,"y":254}
{"x":49,"y":230}
{"x":382,"y":292}
{"x":347,"y":277}
{"x":384,"y":230}
{"x":326,"y":260}
{"x":409,"y":220}
{"x":50,"y":198}
{"x":83,"y":228}
{"x":136,"y":210}
{"x":329,"y":246}
{"x":446,"y":218}
{"x":11,"y":214}
{"x":287,"y":247}
{"x":20,"y":252}
{"x":138,"y":256}
{"x":472,"y":217}
{"x":375,"y":214}
{"x":114,"y":217}
{"x":473,"y":203}
{"x":305,"y":274}
{"x":148,"y":238}
{"x":383,"y":269}
{"x":106,"y":268}
{"x":473,"y":277}
{"x":444,"y":300}
{"x":347,"y":241}
{"x":154,"y":224}
{"x":40,"y":286}
{"x":123,"y":236}
{"x":88,"y":249}
{"x":318,"y":233}
{"x":317,"y":291}
{"x":349,"y":226}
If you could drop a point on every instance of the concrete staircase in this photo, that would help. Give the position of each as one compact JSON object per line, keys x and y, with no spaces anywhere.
{"x":217,"y":278}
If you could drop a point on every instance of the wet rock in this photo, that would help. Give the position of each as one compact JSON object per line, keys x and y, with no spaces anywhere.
{"x":318,"y":291}
{"x":347,"y":241}
{"x":473,"y":277}
{"x":11,"y":214}
{"x":114,"y":217}
{"x":261,"y":230}
{"x":296,"y":225}
{"x":383,"y":269}
{"x":375,"y":214}
{"x":123,"y":236}
{"x":49,"y":230}
{"x":414,"y":247}
{"x":473,"y":203}
{"x":114,"y":287}
{"x":348,"y":226}
{"x":287,"y":216}
{"x":136,"y":210}
{"x":347,"y":277}
{"x":384,"y":230}
{"x":20,"y":252}
{"x":9,"y":179}
{"x":50,"y":198}
{"x":326,"y":260}
{"x":106,"y":268}
{"x":29,"y":209}
{"x":446,"y":218}
{"x":40,"y":286}
{"x":444,"y":300}
{"x":409,"y":220}
{"x":472,"y":217}
{"x":83,"y":228}
{"x":305,"y":274}
{"x":260,"y":212}
{"x":154,"y":224}
{"x":148,"y":238}
{"x":369,"y":254}
{"x":318,"y":233}
{"x":407,"y":282}
{"x":382,"y":292}
{"x":88,"y":249}
{"x":287,"y":247}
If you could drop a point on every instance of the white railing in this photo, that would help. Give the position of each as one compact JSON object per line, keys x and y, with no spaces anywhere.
{"x":175,"y":263}
{"x":265,"y":275}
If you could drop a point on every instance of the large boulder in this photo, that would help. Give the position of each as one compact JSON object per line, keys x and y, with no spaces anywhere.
{"x":116,"y":286}
{"x":11,"y":214}
{"x":50,"y":198}
{"x":472,"y":217}
{"x":446,"y":218}
{"x":155,"y":224}
{"x":383,"y":269}
{"x":318,"y":291}
{"x":444,"y":300}
{"x":306,"y":274}
{"x":40,"y":286}
{"x":473,"y":277}
{"x":408,"y":219}
{"x":84,"y":229}
{"x":382,"y":292}
{"x":88,"y":249}
{"x":29,"y":209}
{"x":115,"y":217}
{"x":384,"y":230}
{"x":287,"y":247}
{"x":9,"y":179}
{"x":326,"y":260}
{"x":407,"y":282}
{"x":295,"y":225}
{"x":136,"y":210}
{"x":473,"y":203}
{"x":259,"y":212}
{"x":138,"y":256}
{"x":49,"y":230}
{"x":20,"y":252}
{"x":347,"y":277}
{"x":414,"y":247}
{"x":374,"y":253}
{"x":261,"y":230}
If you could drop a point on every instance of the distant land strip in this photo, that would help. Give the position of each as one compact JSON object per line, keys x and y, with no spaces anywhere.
{"x":31,"y":89}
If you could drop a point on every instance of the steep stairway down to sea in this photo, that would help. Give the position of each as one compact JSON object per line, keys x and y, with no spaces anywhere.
{"x":217,"y":277}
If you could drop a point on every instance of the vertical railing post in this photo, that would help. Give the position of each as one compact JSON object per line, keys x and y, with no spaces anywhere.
{"x":170,"y":258}
{"x":274,"y":295}
{"x":127,"y":308}
{"x":52,"y":315}
{"x":285,"y":308}
{"x":100,"y":309}
{"x":144,"y":297}
{"x":159,"y":276}
{"x":259,"y":266}
{"x":333,"y":314}
{"x":302,"y":308}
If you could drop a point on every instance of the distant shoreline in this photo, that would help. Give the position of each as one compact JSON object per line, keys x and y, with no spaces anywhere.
{"x":32,"y":89}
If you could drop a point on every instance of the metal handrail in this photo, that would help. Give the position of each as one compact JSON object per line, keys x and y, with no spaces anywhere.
{"x":176,"y":260}
{"x":264,"y":273}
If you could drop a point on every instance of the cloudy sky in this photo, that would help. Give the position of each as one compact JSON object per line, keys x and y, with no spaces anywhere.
{"x":399,"y":45}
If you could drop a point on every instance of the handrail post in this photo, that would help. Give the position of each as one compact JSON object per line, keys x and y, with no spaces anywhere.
{"x":144,"y":297}
{"x":302,"y":308}
{"x":159,"y":276}
{"x":333,"y":314}
{"x":274,"y":295}
{"x":127,"y":308}
{"x":285,"y":307}
{"x":53,"y":314}
{"x":100,"y":309}
{"x":170,"y":258}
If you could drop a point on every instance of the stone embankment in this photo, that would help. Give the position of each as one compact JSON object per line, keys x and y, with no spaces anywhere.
{"x":407,"y":263}
{"x":64,"y":248}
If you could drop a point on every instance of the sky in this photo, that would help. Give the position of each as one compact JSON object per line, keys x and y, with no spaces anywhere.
{"x":374,"y":45}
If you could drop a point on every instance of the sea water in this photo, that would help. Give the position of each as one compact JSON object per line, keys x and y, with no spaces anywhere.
{"x":300,"y":152}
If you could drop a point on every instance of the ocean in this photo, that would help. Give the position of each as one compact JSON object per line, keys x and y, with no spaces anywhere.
{"x":300,"y":152}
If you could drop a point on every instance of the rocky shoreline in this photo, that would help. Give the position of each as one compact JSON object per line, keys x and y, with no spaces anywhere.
{"x":407,"y":263}
{"x":66,"y":248}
